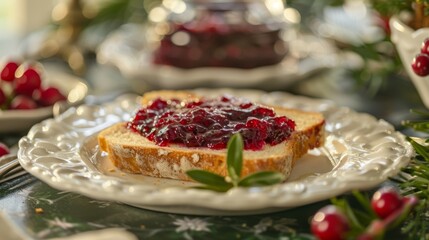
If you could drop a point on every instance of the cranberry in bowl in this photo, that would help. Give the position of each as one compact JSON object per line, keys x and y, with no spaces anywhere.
{"x":31,"y":92}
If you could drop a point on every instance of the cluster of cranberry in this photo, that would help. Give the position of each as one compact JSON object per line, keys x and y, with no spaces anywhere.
{"x":21,"y":87}
{"x":332,"y":223}
{"x":420,"y":64}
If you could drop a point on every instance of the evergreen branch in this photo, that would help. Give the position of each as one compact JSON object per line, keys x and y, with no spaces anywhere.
{"x":414,"y":179}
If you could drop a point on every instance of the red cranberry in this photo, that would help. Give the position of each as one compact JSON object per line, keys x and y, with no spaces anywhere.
{"x":246,"y":105}
{"x":259,"y":125}
{"x":283,"y":125}
{"x":420,"y":64}
{"x":193,"y":104}
{"x":4,"y":149}
{"x":425,"y":46}
{"x":225,"y":99}
{"x":8,"y":72}
{"x":48,"y":96}
{"x":329,"y":223}
{"x":27,"y":83}
{"x":385,"y":201}
{"x":263,"y":112}
{"x":23,"y":103}
{"x":158,"y":104}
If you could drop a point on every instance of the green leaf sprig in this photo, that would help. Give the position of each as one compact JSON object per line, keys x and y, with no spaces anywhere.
{"x":234,"y":165}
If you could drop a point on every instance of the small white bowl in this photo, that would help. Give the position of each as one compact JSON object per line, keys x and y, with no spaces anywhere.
{"x":408,"y":42}
{"x":74,"y":88}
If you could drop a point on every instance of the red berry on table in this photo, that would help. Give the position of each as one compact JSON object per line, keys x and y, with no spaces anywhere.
{"x":385,"y":201}
{"x":22,"y":102}
{"x":48,"y":96}
{"x":27,"y":83}
{"x":425,"y":46}
{"x":329,"y":223}
{"x":420,"y":64}
{"x":3,"y":149}
{"x":8,"y":71}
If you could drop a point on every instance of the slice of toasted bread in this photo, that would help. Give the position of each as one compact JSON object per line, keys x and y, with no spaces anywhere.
{"x":133,"y":153}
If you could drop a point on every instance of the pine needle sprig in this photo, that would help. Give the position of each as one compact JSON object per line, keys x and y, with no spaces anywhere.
{"x":414,"y":179}
{"x":421,"y":125}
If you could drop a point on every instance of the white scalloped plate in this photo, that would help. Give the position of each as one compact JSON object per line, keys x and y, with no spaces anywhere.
{"x":63,"y":152}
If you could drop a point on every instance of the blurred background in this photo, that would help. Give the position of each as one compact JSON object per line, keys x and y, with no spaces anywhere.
{"x":20,"y":18}
{"x":340,"y":50}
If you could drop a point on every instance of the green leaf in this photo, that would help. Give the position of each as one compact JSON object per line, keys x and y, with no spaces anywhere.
{"x":214,"y":188}
{"x":234,"y":158}
{"x":208,"y":178}
{"x":263,"y":178}
{"x":234,"y":166}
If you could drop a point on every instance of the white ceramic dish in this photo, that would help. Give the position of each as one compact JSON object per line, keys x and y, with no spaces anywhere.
{"x":126,"y":49}
{"x":21,"y":120}
{"x":363,"y":151}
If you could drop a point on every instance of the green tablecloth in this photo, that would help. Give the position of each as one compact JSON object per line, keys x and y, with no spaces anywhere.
{"x":66,"y":213}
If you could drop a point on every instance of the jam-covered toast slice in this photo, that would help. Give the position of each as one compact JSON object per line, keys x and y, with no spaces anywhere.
{"x":132,"y":152}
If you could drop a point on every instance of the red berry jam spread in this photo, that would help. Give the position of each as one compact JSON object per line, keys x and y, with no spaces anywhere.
{"x":210,"y":123}
{"x":220,"y":35}
{"x":237,"y":49}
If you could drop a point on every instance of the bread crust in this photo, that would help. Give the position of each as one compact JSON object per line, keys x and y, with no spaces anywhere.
{"x":132,"y":153}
